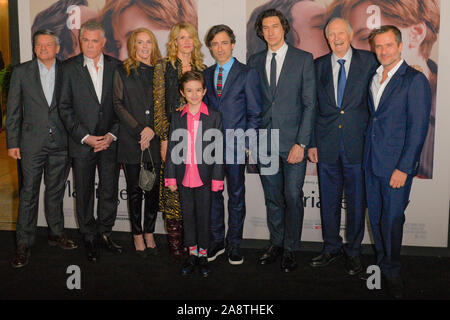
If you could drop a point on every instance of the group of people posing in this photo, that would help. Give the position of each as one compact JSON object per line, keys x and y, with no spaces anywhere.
{"x":362,"y":117}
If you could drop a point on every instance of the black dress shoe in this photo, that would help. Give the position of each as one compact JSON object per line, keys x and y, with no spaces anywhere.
{"x":270,"y":255}
{"x":110,"y":245}
{"x":288,"y":263}
{"x":205,"y":270}
{"x":353,"y":265}
{"x":21,"y":257}
{"x":62,"y":241}
{"x":152,"y":251}
{"x":189,"y":266}
{"x":325,"y":259}
{"x":92,"y":251}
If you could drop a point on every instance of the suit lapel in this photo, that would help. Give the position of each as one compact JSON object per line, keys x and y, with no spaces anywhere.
{"x":84,"y":72}
{"x":284,"y":69}
{"x":210,"y":78}
{"x":39,"y":88}
{"x":234,"y":71}
{"x":327,"y":80}
{"x":58,"y":82}
{"x":353,"y":73}
{"x":393,"y":83}
{"x":262,"y":70}
{"x":107,"y":75}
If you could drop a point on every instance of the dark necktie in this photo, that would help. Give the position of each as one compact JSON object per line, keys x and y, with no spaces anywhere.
{"x":342,"y":79}
{"x":219,"y":82}
{"x":273,"y":74}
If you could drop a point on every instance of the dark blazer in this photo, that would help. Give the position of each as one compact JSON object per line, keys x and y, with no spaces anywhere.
{"x":349,"y":121}
{"x":397,"y":129}
{"x":240,"y":102}
{"x":133,"y":104}
{"x":29,"y":117}
{"x":208,"y":172}
{"x":292,"y":108}
{"x":80,"y":110}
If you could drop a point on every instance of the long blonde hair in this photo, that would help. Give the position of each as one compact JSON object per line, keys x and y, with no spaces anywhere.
{"x":132,"y":62}
{"x":172,"y":48}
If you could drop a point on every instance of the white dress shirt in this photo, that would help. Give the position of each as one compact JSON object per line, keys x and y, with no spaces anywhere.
{"x":377,"y":87}
{"x":279,"y":58}
{"x":336,"y":67}
{"x":96,"y":74}
{"x":47,"y":80}
{"x":97,"y":80}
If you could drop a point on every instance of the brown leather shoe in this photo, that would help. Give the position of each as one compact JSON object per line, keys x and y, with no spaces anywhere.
{"x":62,"y":241}
{"x":21,"y":258}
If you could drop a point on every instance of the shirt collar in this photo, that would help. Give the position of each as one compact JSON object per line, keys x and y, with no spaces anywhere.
{"x":42,"y":66}
{"x":280,"y":52}
{"x":91,"y":61}
{"x":227,"y":66}
{"x":347,"y":57}
{"x":203,"y":109}
{"x":393,"y":70}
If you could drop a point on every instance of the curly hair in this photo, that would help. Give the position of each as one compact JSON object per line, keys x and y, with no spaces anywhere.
{"x":132,"y":63}
{"x":172,"y":47}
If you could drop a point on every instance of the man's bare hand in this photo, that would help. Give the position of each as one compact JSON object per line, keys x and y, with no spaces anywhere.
{"x":398,"y":179}
{"x":173,"y":188}
{"x":14,"y":153}
{"x":296,"y":154}
{"x":313,"y":155}
{"x":104,"y":143}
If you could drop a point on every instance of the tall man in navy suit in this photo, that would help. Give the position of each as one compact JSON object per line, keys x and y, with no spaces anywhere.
{"x":234,"y":90}
{"x":343,"y":78}
{"x":399,"y":103}
{"x":288,"y":107}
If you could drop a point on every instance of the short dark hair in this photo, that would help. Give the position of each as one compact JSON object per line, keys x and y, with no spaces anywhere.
{"x":271,"y":13}
{"x":192,"y":75}
{"x":384,"y":29}
{"x":45,"y":32}
{"x":214,"y":30}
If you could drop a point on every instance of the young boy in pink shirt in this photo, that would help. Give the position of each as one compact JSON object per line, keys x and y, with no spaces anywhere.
{"x":197,"y":170}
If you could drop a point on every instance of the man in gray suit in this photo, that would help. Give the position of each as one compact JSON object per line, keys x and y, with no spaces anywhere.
{"x":288,"y":105}
{"x":36,"y":135}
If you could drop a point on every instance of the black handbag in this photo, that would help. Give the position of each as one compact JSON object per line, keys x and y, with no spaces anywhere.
{"x":147,"y":177}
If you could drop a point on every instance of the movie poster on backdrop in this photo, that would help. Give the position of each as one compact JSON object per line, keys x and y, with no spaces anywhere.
{"x":417,"y":19}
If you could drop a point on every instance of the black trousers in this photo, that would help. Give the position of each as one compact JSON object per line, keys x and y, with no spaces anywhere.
{"x":108,"y":179}
{"x":55,"y":166}
{"x":135,"y":195}
{"x":196,"y":208}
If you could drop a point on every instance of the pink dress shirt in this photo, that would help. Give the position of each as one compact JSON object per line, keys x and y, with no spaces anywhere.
{"x":191,"y":176}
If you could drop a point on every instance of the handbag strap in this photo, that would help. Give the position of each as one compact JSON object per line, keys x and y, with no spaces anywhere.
{"x":151,"y":159}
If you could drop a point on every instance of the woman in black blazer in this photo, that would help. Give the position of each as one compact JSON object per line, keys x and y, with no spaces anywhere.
{"x":133,"y":104}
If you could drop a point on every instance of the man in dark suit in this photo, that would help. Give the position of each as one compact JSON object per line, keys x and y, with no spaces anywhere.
{"x":36,"y":135}
{"x":288,"y":106}
{"x":399,"y":104}
{"x":234,"y":90}
{"x":343,"y":78}
{"x":86,"y":108}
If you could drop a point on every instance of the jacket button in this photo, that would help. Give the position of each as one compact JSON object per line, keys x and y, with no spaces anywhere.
{"x":147,"y":112}
{"x":342,"y":112}
{"x":340,"y":126}
{"x":375,"y":119}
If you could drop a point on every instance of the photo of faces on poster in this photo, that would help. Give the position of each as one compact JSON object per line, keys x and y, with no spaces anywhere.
{"x":418,"y":20}
{"x":119,"y":18}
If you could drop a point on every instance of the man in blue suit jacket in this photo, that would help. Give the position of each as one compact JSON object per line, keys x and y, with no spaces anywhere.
{"x":289,"y":100}
{"x":343,"y":78}
{"x":399,"y":103}
{"x":233,"y":89}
